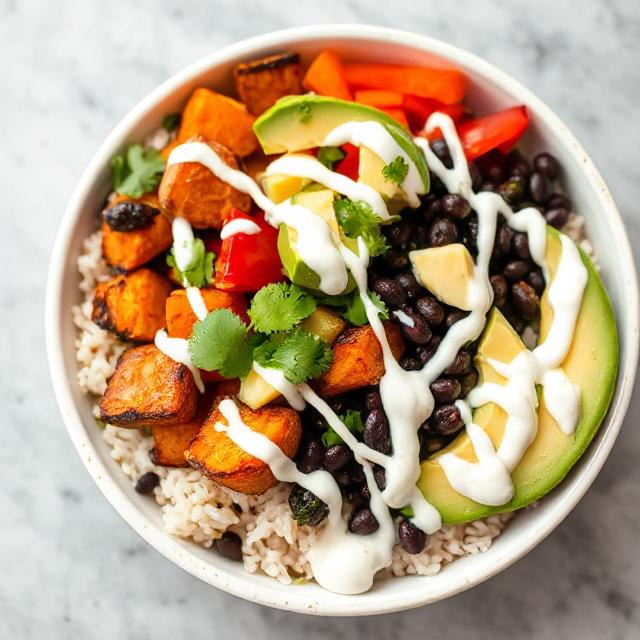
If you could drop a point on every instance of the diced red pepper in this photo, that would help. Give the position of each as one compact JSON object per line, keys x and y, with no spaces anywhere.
{"x":348,"y":166}
{"x":419,"y":109}
{"x":499,"y":130}
{"x":249,"y":262}
{"x":397,"y":114}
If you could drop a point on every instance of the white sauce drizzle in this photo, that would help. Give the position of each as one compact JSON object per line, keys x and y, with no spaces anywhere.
{"x":182,"y":243}
{"x":239,"y":225}
{"x":196,"y":301}
{"x":403,"y":318}
{"x":343,"y":562}
{"x":178,"y":350}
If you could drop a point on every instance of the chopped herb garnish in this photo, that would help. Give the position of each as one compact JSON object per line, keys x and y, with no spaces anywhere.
{"x":304,"y":112}
{"x":351,"y":307}
{"x":136,"y":171}
{"x":352,"y":420}
{"x":279,"y":307}
{"x":330,"y":155}
{"x":200,"y":271}
{"x":396,"y":171}
{"x":358,"y":219}
{"x":171,"y":121}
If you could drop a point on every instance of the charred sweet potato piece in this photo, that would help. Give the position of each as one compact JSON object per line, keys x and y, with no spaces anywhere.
{"x":190,"y":190}
{"x":357,"y":360}
{"x":128,"y":250}
{"x":220,"y":119}
{"x":132,"y":306}
{"x":226,"y":388}
{"x":261,"y":82}
{"x":149,"y":389}
{"x":180,"y":316}
{"x":256,"y":164}
{"x":215,"y":455}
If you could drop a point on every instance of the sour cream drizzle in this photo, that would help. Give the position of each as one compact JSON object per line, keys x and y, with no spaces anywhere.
{"x":239,"y":225}
{"x":343,"y":562}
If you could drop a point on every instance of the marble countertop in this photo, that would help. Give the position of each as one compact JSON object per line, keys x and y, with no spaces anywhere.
{"x":71,"y":567}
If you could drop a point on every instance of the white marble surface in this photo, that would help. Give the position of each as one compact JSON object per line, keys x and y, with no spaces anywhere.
{"x":69,"y":566}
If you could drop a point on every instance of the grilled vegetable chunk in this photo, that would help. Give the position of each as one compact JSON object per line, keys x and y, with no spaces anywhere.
{"x":215,"y":455}
{"x":149,"y":389}
{"x":261,"y":82}
{"x":132,"y":306}
{"x":357,"y":360}
{"x":220,"y":119}
{"x":129,"y":249}
{"x":192,"y":191}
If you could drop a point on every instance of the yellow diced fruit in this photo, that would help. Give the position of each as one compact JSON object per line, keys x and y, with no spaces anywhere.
{"x":256,"y":392}
{"x":370,"y":173}
{"x":280,"y":187}
{"x":446,"y":272}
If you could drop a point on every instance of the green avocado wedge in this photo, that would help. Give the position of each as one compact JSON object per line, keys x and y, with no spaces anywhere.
{"x":592,"y":364}
{"x":302,"y":122}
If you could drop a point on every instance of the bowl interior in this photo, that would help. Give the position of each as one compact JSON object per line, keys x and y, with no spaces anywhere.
{"x":489,"y":89}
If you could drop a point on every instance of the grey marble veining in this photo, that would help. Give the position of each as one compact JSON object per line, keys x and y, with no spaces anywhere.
{"x":69,"y":566}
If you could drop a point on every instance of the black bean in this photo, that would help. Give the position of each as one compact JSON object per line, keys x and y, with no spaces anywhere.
{"x":419,"y":333}
{"x":442,"y":233}
{"x":430,"y":444}
{"x":455,"y":316}
{"x":536,"y":280}
{"x":525,"y":300}
{"x":433,"y":208}
{"x":398,"y":233}
{"x":337,"y":404}
{"x":408,"y":282}
{"x":516,"y":269}
{"x":502,"y":245}
{"x":447,"y":420}
{"x":376,"y":431}
{"x":441,"y":150}
{"x":412,"y":539}
{"x":312,"y":456}
{"x":313,"y":421}
{"x":559,"y":200}
{"x":520,"y":246}
{"x":476,"y":175}
{"x":129,"y":216}
{"x":147,"y":482}
{"x":420,"y":235}
{"x":468,"y":382}
{"x":431,"y":310}
{"x":337,"y":457}
{"x":409,"y":363}
{"x":426,"y":352}
{"x":547,"y":165}
{"x":557,"y":217}
{"x":460,"y":365}
{"x":395,"y":260}
{"x":538,"y":187}
{"x":470,"y":232}
{"x":363,"y":522}
{"x":373,"y":400}
{"x":500,"y":288}
{"x":380,"y":476}
{"x":230,"y":546}
{"x":455,"y":206}
{"x":493,"y":166}
{"x":306,"y":507}
{"x":488,"y":186}
{"x":527,"y":204}
{"x":392,"y":294}
{"x":517,"y":165}
{"x":512,"y":189}
{"x":445,"y":390}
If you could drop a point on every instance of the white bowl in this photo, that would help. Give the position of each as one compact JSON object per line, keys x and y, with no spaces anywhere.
{"x":489,"y":89}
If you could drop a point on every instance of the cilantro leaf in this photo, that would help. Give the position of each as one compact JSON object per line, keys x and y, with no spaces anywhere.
{"x":328,"y":156}
{"x":358,"y":219}
{"x":396,"y":171}
{"x":200,"y":272}
{"x":299,"y":355}
{"x":304,"y":112}
{"x":136,"y":171}
{"x":279,"y":307}
{"x":221,"y":343}
{"x":171,"y":122}
{"x":352,"y":420}
{"x":407,"y":512}
{"x":351,"y":307}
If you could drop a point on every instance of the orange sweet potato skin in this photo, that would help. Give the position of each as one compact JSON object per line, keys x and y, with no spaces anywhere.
{"x":190,"y":190}
{"x":132,"y":306}
{"x":260,"y":83}
{"x":357,"y":360}
{"x":217,"y":457}
{"x":129,"y":250}
{"x":180,"y":316}
{"x":149,"y":389}
{"x":220,"y":119}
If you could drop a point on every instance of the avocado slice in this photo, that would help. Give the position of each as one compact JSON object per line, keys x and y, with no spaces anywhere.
{"x":592,"y":364}
{"x":302,"y":122}
{"x":320,"y":202}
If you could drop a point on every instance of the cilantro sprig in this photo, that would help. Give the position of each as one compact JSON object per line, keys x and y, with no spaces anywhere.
{"x":200,"y":271}
{"x":136,"y":171}
{"x":328,"y":156}
{"x":351,"y":307}
{"x":358,"y":219}
{"x":279,"y":307}
{"x":299,"y":355}
{"x":352,"y":420}
{"x":396,"y":171}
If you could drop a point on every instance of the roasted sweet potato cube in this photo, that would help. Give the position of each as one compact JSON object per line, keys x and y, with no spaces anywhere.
{"x":357,"y":360}
{"x":128,"y":250}
{"x":220,"y":119}
{"x":261,"y":82}
{"x":190,"y":190}
{"x":180,"y":316}
{"x":132,"y":306}
{"x":149,"y":389}
{"x":215,"y":455}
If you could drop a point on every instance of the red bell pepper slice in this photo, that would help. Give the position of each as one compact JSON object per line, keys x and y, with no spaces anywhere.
{"x":249,"y":262}
{"x":419,"y":109}
{"x":348,"y":166}
{"x":499,"y":130}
